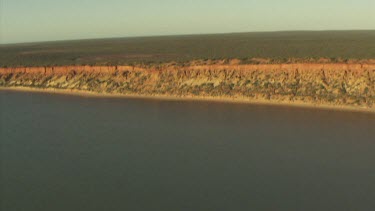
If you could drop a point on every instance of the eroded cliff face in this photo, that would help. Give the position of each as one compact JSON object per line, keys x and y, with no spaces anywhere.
{"x":326,"y":84}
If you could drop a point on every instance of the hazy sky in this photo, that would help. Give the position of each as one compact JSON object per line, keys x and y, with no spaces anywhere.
{"x":39,"y":20}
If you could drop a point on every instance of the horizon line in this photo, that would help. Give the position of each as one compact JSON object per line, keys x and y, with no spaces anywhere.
{"x":182,"y":35}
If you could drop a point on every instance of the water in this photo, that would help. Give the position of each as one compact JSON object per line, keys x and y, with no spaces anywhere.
{"x":75,"y":153}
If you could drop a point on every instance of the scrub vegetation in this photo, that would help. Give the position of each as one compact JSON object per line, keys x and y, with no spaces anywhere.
{"x":277,"y":47}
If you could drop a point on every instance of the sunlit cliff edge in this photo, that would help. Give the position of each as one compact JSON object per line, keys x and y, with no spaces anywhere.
{"x":336,"y":85}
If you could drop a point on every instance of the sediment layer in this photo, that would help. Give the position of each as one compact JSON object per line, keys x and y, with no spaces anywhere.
{"x":349,"y":85}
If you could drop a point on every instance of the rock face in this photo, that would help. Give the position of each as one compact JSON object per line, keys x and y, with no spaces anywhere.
{"x":319,"y":84}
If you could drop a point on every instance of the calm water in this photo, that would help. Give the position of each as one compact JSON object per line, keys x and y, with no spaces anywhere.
{"x":74,"y":153}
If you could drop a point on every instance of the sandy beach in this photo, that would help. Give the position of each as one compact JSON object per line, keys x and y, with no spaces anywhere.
{"x":83,"y":93}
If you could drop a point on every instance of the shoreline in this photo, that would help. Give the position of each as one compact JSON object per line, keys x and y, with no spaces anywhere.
{"x":90,"y":94}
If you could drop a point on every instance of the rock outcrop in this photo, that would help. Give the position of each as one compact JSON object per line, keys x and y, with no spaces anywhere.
{"x":318,"y":84}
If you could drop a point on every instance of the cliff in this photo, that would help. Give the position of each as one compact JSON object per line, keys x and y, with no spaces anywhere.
{"x":350,"y":85}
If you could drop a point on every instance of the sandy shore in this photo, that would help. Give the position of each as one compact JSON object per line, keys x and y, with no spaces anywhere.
{"x":83,"y":93}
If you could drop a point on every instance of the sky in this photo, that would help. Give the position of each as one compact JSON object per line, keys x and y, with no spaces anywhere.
{"x":46,"y":20}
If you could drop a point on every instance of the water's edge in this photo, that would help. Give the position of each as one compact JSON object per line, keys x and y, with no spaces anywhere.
{"x":90,"y":94}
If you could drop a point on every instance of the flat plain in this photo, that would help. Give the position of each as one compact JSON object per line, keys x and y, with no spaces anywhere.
{"x":277,"y":47}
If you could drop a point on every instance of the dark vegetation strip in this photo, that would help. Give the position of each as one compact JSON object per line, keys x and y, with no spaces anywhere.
{"x":277,"y":46}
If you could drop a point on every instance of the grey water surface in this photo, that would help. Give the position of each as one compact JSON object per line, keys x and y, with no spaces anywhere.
{"x":72,"y":153}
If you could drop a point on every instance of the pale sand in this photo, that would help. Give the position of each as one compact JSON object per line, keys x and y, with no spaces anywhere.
{"x":83,"y":93}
